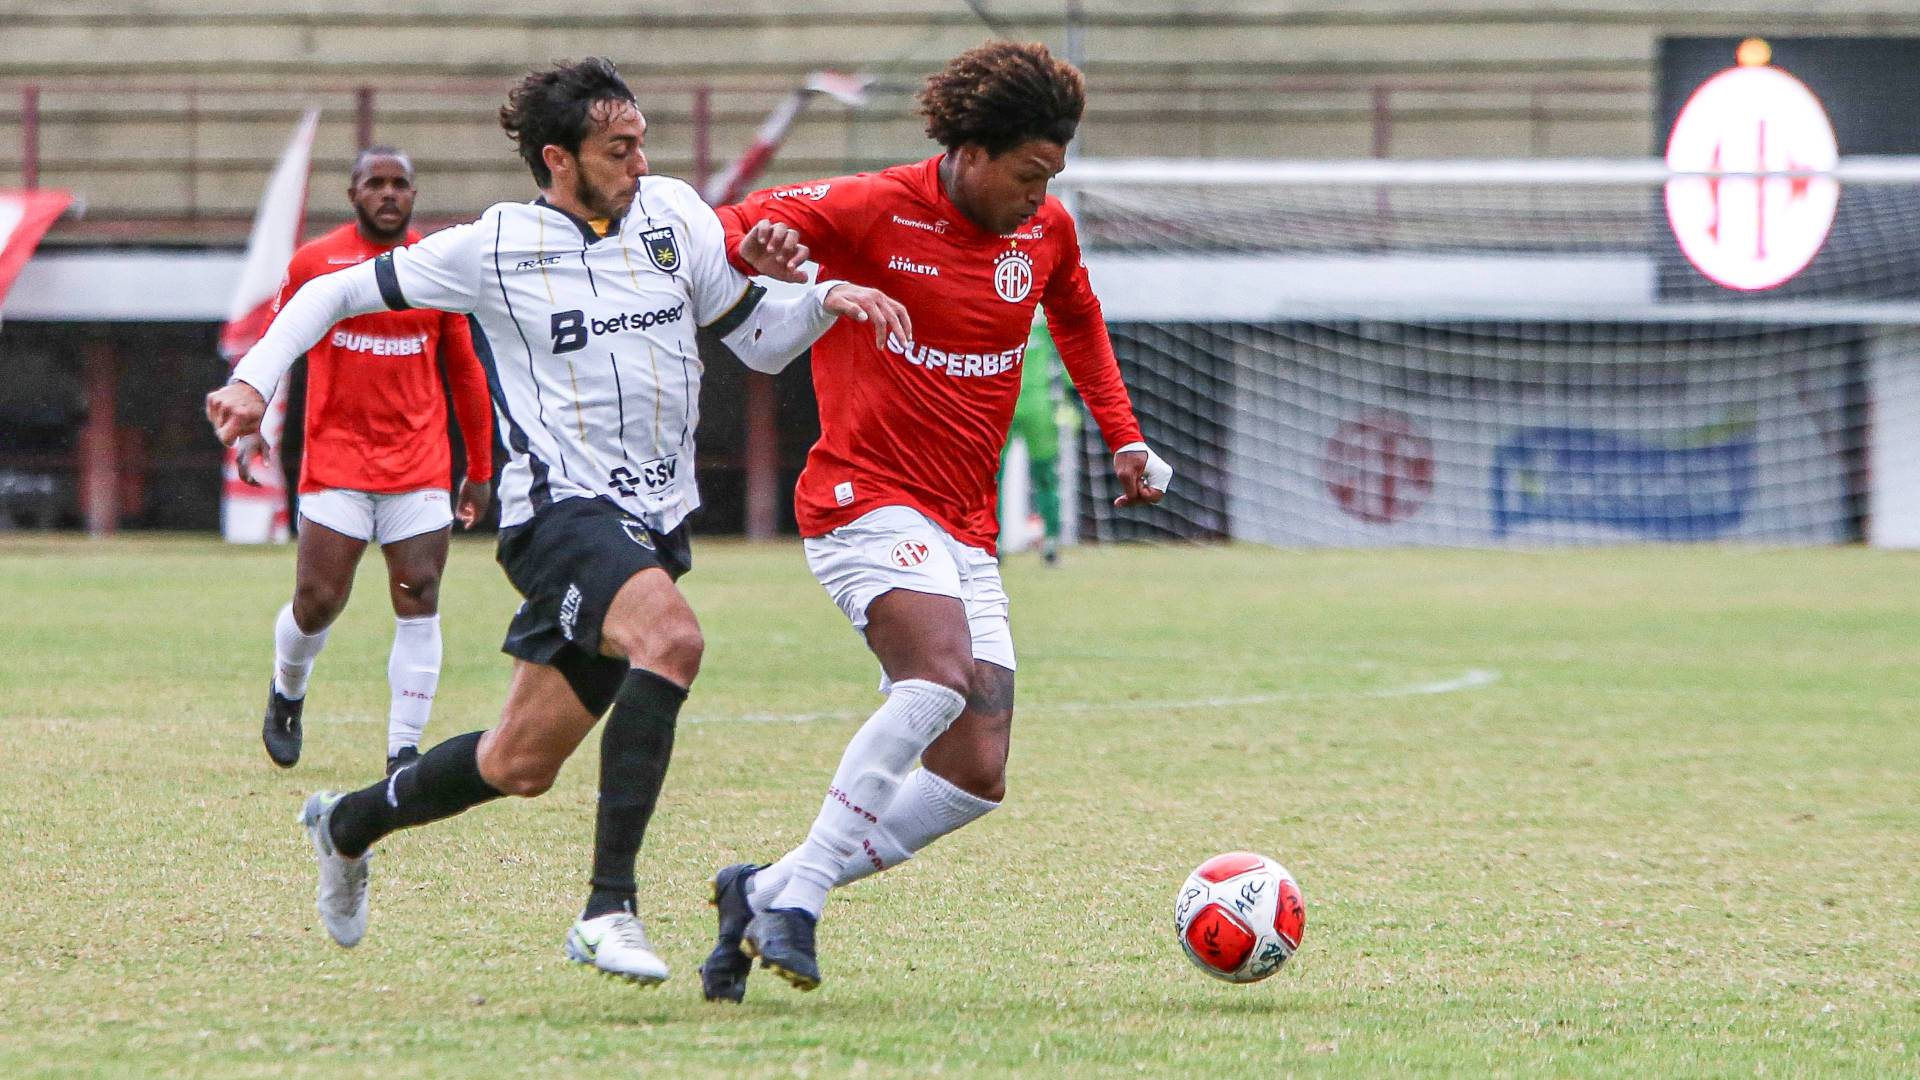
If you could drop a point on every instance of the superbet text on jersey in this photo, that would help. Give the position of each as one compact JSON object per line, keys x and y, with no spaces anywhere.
{"x":588,"y":341}
{"x":921,"y":423}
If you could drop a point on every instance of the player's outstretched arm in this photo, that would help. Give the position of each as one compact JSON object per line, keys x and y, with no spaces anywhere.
{"x":781,"y":327}
{"x":237,"y":408}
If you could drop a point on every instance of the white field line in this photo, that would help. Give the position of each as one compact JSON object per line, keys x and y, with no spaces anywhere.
{"x":1471,"y":679}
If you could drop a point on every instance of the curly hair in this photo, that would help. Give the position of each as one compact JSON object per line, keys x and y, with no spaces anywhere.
{"x":1001,"y":94}
{"x":554,"y":107}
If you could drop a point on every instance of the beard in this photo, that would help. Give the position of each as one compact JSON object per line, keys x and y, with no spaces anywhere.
{"x":370,"y":226}
{"x":600,"y":203}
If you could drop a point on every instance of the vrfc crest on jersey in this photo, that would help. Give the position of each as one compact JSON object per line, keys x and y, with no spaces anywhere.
{"x":662,"y":248}
{"x":1013,"y":276}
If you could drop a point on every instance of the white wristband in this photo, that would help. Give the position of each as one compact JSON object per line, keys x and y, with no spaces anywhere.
{"x":1159,"y":474}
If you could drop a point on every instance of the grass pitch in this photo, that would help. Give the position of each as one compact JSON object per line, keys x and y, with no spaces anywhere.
{"x":1644,"y":812}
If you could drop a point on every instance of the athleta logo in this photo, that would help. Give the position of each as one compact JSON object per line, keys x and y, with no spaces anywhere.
{"x":376,"y":345}
{"x":958,"y":365}
{"x":901,"y":262}
{"x":937,"y":227}
{"x":816,"y":192}
{"x":1013,"y":276}
{"x":534,"y":264}
{"x":908,"y":554}
{"x":841,"y":797}
{"x":571,"y":328}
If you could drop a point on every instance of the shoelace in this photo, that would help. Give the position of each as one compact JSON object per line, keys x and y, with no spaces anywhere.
{"x":630,"y":933}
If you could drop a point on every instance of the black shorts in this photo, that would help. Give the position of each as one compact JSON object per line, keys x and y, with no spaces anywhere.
{"x":568,"y":563}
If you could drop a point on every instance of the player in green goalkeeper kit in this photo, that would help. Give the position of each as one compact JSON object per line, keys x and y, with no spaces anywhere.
{"x":1038,"y":417}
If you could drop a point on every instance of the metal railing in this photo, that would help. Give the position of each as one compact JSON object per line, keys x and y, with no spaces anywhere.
{"x":696,"y":124}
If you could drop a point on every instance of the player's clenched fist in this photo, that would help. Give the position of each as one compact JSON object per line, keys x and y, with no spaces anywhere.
{"x":235,"y":410}
{"x":861,"y":304}
{"x":774,"y":249}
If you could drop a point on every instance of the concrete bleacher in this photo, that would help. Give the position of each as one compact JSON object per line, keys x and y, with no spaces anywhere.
{"x":166,"y":114}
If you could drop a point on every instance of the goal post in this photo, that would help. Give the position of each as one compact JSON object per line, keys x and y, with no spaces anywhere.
{"x":1511,"y":353}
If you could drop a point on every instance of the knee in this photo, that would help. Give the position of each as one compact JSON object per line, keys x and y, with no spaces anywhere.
{"x":953,"y":672}
{"x":420,"y":591}
{"x":523,"y":777}
{"x":672,"y":650}
{"x":982,"y":776}
{"x":976,"y":761}
{"x":517,"y":773}
{"x":317,"y":604}
{"x":680,"y":649}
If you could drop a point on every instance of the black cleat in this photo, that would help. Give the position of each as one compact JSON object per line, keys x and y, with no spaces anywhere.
{"x":783,"y":940}
{"x":724,"y":976}
{"x":281,"y":731}
{"x":401,"y":758}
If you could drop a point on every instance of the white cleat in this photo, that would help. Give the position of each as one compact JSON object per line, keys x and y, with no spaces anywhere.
{"x":616,"y":944}
{"x":342,"y":896}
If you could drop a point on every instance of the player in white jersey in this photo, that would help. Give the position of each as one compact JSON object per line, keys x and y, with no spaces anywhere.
{"x":583,"y":306}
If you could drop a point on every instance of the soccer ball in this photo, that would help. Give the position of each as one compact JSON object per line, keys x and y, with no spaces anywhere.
{"x":1239,"y":916}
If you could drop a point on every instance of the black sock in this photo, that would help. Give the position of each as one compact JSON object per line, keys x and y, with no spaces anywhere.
{"x":445,"y":781}
{"x":635,"y":747}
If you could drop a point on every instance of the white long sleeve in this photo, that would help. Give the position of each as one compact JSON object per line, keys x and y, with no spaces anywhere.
{"x":305,"y":320}
{"x":781,"y":326}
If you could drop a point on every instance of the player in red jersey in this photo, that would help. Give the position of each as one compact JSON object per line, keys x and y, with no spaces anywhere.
{"x":897,"y":502}
{"x":376,"y":466}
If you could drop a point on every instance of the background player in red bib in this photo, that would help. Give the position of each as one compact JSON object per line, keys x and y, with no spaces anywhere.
{"x":375,"y":466}
{"x":897,"y":502}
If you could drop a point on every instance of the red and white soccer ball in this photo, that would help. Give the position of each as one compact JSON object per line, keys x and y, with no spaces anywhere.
{"x":1239,"y":916}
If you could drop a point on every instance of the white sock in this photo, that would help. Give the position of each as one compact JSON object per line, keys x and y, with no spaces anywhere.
{"x":926,"y":808}
{"x":293,"y":654}
{"x":413,"y":673}
{"x":875,"y":762}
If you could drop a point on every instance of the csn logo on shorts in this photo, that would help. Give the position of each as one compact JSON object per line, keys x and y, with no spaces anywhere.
{"x":908,"y":554}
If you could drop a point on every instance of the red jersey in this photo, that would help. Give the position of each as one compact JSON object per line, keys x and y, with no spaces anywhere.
{"x":376,"y":417}
{"x":921,"y":423}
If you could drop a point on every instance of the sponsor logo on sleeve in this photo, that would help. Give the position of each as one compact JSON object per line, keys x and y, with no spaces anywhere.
{"x":843,"y":492}
{"x":816,"y":192}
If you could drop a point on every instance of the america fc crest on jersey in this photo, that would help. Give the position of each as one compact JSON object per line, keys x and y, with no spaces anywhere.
{"x":662,"y":248}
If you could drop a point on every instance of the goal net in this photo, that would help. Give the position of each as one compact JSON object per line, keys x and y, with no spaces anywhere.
{"x":1393,"y":353}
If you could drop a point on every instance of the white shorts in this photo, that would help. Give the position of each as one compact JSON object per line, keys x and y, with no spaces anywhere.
{"x":382,"y":519}
{"x":895,"y":547}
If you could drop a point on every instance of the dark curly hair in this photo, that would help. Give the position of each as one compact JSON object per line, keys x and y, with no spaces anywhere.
{"x":1001,"y":94}
{"x":555,"y":108}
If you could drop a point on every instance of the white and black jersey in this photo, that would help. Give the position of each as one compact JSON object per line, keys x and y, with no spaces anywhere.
{"x":588,"y":341}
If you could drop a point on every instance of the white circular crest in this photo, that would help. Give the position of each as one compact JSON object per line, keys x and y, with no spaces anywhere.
{"x":1752,"y":232}
{"x":1013,"y":276}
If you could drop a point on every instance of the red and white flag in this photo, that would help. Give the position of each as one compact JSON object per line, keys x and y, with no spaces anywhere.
{"x":25,"y":217}
{"x":734,"y":181}
{"x":248,"y":514}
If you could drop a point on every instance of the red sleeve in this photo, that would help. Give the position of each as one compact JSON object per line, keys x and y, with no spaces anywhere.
{"x":471,"y":403}
{"x":830,"y":215}
{"x":1080,"y":333}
